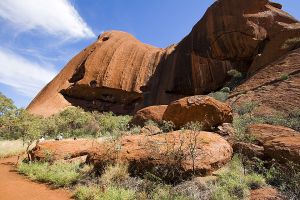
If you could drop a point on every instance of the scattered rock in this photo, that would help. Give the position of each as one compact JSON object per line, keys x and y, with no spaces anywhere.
{"x":181,"y":153}
{"x":204,"y":109}
{"x":153,"y":113}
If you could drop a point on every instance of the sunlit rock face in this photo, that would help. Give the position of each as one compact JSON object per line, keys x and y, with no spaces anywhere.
{"x":121,"y":74}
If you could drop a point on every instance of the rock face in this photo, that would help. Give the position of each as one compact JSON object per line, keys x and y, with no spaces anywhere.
{"x":204,"y":109}
{"x":180,"y":153}
{"x":120,"y":74}
{"x":153,"y":113}
{"x":276,"y":88}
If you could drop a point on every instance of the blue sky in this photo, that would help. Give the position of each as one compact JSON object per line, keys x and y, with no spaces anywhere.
{"x":38,"y":37}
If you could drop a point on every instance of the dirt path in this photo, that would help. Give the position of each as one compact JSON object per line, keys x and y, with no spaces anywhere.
{"x":16,"y":187}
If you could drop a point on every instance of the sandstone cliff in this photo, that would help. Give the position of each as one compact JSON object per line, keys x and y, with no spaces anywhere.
{"x":119,"y":73}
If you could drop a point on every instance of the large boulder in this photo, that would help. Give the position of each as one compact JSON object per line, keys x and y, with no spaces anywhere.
{"x":284,"y":149}
{"x":60,"y":150}
{"x":171,"y":156}
{"x":272,"y":142}
{"x":121,"y":74}
{"x":153,"y":113}
{"x":263,"y":133}
{"x":204,"y":109}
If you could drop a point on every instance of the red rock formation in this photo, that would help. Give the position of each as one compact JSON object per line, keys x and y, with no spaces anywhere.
{"x":118,"y":73}
{"x":204,"y":109}
{"x":153,"y":113}
{"x":183,"y":152}
{"x":59,"y":150}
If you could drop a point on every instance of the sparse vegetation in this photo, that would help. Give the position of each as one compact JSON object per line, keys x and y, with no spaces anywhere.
{"x":11,"y":148}
{"x":220,"y":95}
{"x":58,"y":174}
{"x":234,"y":183}
{"x":291,"y":43}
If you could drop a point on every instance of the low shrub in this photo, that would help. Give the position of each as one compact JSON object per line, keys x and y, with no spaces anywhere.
{"x":115,"y":175}
{"x":87,"y":193}
{"x":235,"y":183}
{"x":291,"y":43}
{"x":284,"y":177}
{"x":220,"y":95}
{"x":11,"y":148}
{"x":164,"y":192}
{"x":110,"y":193}
{"x":58,"y":174}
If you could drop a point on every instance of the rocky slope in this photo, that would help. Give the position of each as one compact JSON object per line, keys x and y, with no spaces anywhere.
{"x":119,"y":73}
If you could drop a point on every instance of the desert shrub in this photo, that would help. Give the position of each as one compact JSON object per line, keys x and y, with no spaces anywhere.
{"x":164,"y":192}
{"x":75,"y":122}
{"x":11,"y":148}
{"x":234,"y":183}
{"x":110,"y":193}
{"x":112,"y":125}
{"x":193,"y":126}
{"x":58,"y":174}
{"x":115,"y":174}
{"x":291,"y":43}
{"x":167,"y":126}
{"x":284,"y":177}
{"x":246,"y":108}
{"x":87,"y":193}
{"x":236,"y":78}
{"x":240,"y":124}
{"x":284,"y":77}
{"x":114,"y":193}
{"x":220,"y":95}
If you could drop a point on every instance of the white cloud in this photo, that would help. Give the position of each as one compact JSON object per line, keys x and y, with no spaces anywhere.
{"x":56,"y":17}
{"x":25,"y":76}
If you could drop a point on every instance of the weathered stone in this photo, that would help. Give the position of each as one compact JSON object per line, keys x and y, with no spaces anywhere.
{"x":62,"y":150}
{"x":284,"y":149}
{"x":204,"y":109}
{"x":265,"y":132}
{"x":153,"y":113}
{"x":119,"y":73}
{"x":182,"y":152}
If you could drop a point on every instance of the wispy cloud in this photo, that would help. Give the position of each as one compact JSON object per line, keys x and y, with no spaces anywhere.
{"x":25,"y":76}
{"x":55,"y":17}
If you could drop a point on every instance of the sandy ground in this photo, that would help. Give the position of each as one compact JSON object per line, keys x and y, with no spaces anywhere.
{"x":16,"y":187}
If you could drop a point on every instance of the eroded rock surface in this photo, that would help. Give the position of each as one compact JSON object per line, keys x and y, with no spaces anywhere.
{"x":60,"y":150}
{"x":120,"y":74}
{"x":181,"y":152}
{"x":203,"y":109}
{"x":153,"y":113}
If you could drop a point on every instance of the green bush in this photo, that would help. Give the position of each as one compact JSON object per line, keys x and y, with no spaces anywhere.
{"x":87,"y":193}
{"x":110,"y":193}
{"x":164,"y":192}
{"x":59,"y":174}
{"x":234,"y":183}
{"x":220,"y":96}
{"x":285,"y":177}
{"x":115,"y":175}
{"x":112,"y":125}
